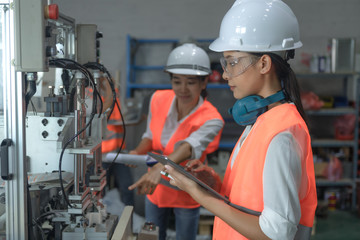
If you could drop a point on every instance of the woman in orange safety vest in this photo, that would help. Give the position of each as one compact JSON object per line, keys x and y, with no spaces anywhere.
{"x":183,"y":125}
{"x":270,"y":173}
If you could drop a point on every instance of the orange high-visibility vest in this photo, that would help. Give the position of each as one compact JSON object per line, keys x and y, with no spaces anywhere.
{"x":243,"y":183}
{"x":113,"y":137}
{"x":165,"y":196}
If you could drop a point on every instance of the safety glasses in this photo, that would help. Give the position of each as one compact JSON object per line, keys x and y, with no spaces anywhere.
{"x":234,"y":66}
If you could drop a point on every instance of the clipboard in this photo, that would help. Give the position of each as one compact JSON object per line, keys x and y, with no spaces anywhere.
{"x":166,"y":161}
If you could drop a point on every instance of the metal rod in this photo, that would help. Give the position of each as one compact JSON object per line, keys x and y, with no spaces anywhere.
{"x":76,"y":175}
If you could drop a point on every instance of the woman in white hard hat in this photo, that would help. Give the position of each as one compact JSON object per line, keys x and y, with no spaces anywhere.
{"x":270,"y":174}
{"x":182,"y":125}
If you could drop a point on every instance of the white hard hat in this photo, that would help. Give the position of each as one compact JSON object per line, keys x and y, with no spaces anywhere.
{"x":258,"y":26}
{"x":188,"y":59}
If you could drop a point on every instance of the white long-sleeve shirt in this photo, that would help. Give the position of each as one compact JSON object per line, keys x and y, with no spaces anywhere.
{"x":283,"y":185}
{"x":199,"y":139}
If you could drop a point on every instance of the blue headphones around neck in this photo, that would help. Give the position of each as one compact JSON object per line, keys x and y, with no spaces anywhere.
{"x":246,"y":110}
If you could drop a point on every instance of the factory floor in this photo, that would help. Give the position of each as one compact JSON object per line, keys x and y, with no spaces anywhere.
{"x":333,"y":225}
{"x":330,"y":225}
{"x":337,"y":225}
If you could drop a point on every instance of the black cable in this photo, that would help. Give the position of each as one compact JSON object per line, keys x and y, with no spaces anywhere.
{"x":65,"y":77}
{"x":28,"y":198}
{"x":71,"y":64}
{"x":44,"y":215}
{"x":71,"y":99}
{"x":111,"y":83}
{"x":62,"y":153}
{"x":30,"y":93}
{"x":102,"y":68}
{"x":40,"y":229}
{"x":33,"y":107}
{"x":123,"y":139}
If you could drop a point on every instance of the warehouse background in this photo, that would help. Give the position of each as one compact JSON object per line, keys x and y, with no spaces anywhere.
{"x":319,"y":20}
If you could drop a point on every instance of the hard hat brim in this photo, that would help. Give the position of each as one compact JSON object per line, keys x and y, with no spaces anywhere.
{"x":218,"y":45}
{"x":187,"y":72}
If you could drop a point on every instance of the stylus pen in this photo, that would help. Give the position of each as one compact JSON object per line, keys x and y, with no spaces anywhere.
{"x":166,"y":174}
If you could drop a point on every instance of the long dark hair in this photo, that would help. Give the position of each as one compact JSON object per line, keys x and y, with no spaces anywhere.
{"x":288,"y":80}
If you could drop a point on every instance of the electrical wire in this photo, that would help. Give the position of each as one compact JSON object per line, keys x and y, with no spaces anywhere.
{"x":45,"y":215}
{"x":62,"y":153}
{"x":33,"y":107}
{"x":102,"y":68}
{"x":30,"y":93}
{"x":36,"y":222}
{"x":28,"y":198}
{"x":68,"y":64}
{"x":123,"y":140}
{"x":40,"y":229}
{"x":71,"y":64}
{"x":98,"y":66}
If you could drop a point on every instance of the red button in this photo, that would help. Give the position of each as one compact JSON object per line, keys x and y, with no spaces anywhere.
{"x":52,"y":11}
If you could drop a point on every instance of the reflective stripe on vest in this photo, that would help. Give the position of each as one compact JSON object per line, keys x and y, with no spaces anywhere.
{"x":243,"y":183}
{"x":113,"y":138}
{"x":114,"y":135}
{"x":164,"y":196}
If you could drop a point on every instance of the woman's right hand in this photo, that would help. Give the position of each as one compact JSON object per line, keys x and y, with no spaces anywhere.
{"x":148,"y":182}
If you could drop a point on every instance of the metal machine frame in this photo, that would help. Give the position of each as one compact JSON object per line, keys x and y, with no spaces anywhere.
{"x":24,"y":40}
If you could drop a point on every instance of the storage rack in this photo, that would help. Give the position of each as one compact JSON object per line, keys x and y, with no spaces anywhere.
{"x":330,"y":142}
{"x":131,"y":85}
{"x":132,"y":67}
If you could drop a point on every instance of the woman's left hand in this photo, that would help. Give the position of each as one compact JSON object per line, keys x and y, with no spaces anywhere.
{"x":179,"y":180}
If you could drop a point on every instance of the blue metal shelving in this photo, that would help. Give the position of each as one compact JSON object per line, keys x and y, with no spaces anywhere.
{"x":131,"y":66}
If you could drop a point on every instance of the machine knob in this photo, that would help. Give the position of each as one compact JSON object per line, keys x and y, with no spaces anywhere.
{"x":44,"y":121}
{"x":45,"y":134}
{"x":60,"y":122}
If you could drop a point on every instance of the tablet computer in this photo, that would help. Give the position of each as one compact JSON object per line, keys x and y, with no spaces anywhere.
{"x":166,"y":161}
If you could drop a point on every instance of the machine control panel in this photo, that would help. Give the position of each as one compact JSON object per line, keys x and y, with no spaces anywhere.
{"x":35,"y":42}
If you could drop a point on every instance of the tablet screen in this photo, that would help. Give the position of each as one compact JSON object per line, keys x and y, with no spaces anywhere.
{"x":166,"y":161}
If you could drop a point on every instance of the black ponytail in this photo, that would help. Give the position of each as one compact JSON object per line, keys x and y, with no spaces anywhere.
{"x":288,"y":80}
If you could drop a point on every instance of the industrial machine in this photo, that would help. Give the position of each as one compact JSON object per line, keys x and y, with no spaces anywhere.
{"x":52,"y":180}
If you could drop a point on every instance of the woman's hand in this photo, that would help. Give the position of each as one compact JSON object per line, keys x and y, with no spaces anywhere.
{"x":205,"y":173}
{"x":179,"y":180}
{"x":148,"y":182}
{"x":194,"y":165}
